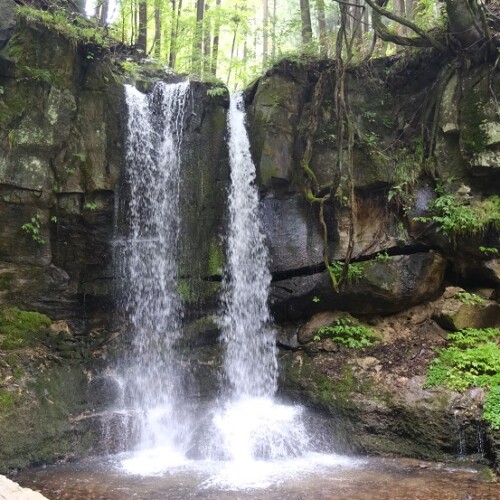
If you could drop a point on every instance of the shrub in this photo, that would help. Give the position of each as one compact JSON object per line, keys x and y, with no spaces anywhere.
{"x":472,"y":359}
{"x":454,"y":217}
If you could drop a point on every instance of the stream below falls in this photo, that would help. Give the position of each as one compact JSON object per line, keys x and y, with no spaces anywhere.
{"x":313,"y":476}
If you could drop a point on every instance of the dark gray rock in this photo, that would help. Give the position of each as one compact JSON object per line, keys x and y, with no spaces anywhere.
{"x":291,"y":228}
{"x":386,"y":286}
{"x":7,"y":21}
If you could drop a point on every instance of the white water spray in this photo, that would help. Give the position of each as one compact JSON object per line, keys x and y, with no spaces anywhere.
{"x":149,"y":263}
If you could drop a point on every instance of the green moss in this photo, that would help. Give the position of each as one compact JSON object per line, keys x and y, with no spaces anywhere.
{"x":215,"y":258}
{"x":184,"y":290}
{"x":7,"y":401}
{"x":12,"y":105}
{"x":19,"y":328}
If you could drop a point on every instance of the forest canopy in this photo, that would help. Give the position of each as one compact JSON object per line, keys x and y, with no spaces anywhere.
{"x":233,"y":41}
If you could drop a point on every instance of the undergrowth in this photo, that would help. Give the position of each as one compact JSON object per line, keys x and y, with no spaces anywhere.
{"x":457,"y":217}
{"x":355,"y":271}
{"x":76,"y":29}
{"x":472,"y":359}
{"x":348,"y":333}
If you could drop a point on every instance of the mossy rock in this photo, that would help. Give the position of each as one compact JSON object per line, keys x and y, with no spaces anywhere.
{"x":21,"y":328}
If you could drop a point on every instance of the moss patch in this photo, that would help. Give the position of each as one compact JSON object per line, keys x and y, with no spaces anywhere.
{"x":215,"y":259}
{"x":19,"y":328}
{"x":7,"y":401}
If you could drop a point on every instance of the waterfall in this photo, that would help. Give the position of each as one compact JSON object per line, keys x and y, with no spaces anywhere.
{"x":250,"y":362}
{"x":250,"y":425}
{"x":148,"y":261}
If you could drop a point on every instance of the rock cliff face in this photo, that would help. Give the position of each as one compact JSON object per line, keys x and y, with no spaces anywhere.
{"x":421,"y":133}
{"x":414,"y":127}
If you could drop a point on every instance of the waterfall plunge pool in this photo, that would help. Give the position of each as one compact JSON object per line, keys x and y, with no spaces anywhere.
{"x":312,"y":477}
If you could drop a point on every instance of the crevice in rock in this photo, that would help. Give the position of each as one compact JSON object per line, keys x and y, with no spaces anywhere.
{"x":320,"y":267}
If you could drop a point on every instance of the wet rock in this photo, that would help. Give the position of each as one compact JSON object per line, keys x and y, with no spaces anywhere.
{"x":385,"y":286}
{"x":104,"y":392}
{"x":292,"y":233}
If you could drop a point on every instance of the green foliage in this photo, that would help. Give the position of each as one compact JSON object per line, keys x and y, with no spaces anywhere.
{"x":407,"y":166}
{"x":355,"y":271}
{"x":489,"y":250}
{"x":349,"y":333}
{"x":217,"y":91}
{"x":34,"y":229}
{"x":92,"y":206}
{"x":131,"y":68}
{"x":79,"y":156}
{"x":454,"y":217}
{"x":19,"y":328}
{"x":381,"y":256}
{"x":316,"y":299}
{"x":491,"y":411}
{"x":76,"y":29}
{"x":371,"y":139}
{"x":7,"y":401}
{"x":40,"y":75}
{"x":472,"y":359}
{"x":468,"y":298}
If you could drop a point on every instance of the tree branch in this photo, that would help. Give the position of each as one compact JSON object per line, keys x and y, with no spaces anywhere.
{"x":424,"y":39}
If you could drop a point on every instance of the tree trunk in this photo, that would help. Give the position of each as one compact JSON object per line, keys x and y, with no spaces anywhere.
{"x":142,"y":39}
{"x":197,"y":55}
{"x":265,"y":32}
{"x":232,"y":53}
{"x":357,"y":18}
{"x":320,"y":12}
{"x":157,"y":42}
{"x":305,"y":16}
{"x":273,"y":32}
{"x":400,"y":10}
{"x":215,"y":42}
{"x":174,"y":33}
{"x":207,"y":51}
{"x":468,"y":26}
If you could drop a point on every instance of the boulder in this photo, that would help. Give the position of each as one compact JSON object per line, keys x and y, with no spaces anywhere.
{"x":455,"y":313}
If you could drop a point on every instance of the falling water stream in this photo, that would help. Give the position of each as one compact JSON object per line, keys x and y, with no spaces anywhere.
{"x":251,"y":425}
{"x":256,"y":447}
{"x":149,"y":296}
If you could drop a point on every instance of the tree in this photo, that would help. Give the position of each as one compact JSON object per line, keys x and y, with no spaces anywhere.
{"x":143,"y":26}
{"x":305,"y":16}
{"x":197,"y":57}
{"x":265,"y":32}
{"x":216,"y":40}
{"x":320,"y":13}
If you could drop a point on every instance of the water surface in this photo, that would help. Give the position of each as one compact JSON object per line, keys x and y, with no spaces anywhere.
{"x":312,"y":477}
